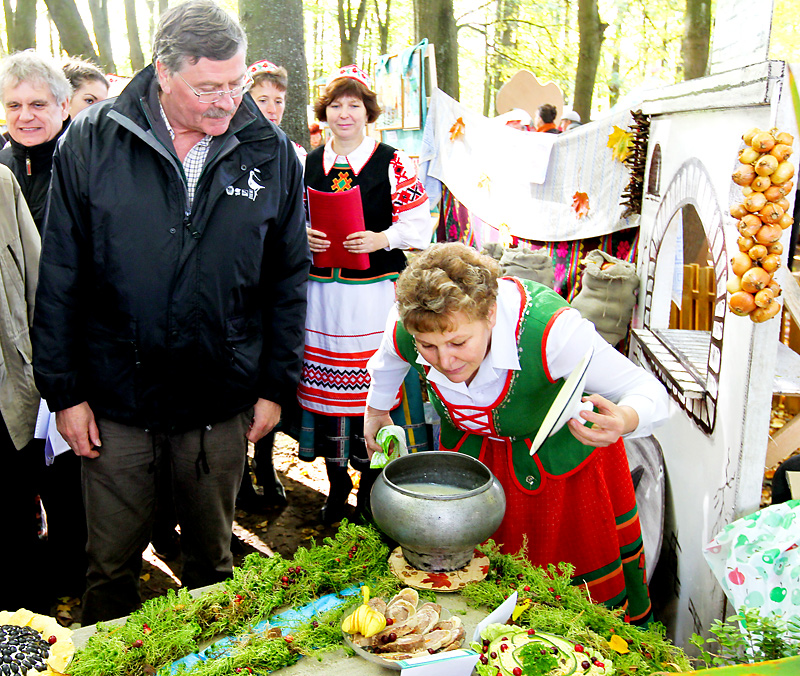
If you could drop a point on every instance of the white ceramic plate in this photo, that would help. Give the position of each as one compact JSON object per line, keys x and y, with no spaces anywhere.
{"x":567,"y":403}
{"x":375,"y":657}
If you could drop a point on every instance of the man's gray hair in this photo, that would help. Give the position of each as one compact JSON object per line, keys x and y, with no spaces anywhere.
{"x":28,"y":66}
{"x":194,"y":30}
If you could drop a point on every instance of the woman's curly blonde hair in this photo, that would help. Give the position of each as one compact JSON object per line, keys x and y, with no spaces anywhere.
{"x":443,"y":280}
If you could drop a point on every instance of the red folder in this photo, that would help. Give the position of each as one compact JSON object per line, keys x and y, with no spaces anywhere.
{"x":337,"y":214}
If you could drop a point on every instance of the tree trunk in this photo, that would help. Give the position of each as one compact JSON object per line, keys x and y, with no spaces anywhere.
{"x":591,"y":31}
{"x":137,"y":57}
{"x":615,"y":79}
{"x":20,"y":25}
{"x":435,"y":21}
{"x":102,"y":34}
{"x":383,"y":26}
{"x":696,"y":38}
{"x":350,"y":30}
{"x":275,"y":31}
{"x":71,"y":31}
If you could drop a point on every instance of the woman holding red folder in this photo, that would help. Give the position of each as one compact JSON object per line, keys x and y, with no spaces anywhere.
{"x":348,"y":306}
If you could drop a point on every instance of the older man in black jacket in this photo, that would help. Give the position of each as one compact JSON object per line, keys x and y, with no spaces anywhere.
{"x":171,"y":302}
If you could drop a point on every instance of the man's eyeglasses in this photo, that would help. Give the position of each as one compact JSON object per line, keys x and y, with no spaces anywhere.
{"x":213,"y":97}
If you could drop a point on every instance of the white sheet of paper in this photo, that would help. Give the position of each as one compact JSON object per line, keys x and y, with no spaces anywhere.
{"x":46,"y":429}
{"x":794,"y":484}
{"x":452,"y":663}
{"x":499,"y":615}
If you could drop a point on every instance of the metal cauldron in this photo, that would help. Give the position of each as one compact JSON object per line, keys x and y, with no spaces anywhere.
{"x":438,"y":532}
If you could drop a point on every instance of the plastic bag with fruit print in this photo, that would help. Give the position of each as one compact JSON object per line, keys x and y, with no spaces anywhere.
{"x":757,"y":560}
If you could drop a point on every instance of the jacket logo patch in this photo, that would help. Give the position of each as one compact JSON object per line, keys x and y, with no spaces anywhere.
{"x":253,"y":186}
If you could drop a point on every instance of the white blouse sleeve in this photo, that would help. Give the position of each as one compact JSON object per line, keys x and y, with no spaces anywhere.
{"x":386,"y":368}
{"x":610,"y":373}
{"x":411,"y":227}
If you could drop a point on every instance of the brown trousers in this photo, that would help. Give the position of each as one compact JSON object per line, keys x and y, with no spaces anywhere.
{"x":119,"y":491}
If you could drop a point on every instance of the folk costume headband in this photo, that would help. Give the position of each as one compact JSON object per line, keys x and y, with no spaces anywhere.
{"x":262,"y":66}
{"x":354,"y":72}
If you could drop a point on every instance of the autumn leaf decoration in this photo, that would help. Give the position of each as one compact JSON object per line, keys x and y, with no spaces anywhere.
{"x":457,"y":130}
{"x":620,"y":142}
{"x":580,"y":203}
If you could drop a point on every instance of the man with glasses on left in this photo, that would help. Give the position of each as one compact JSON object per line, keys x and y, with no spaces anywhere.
{"x":171,"y":302}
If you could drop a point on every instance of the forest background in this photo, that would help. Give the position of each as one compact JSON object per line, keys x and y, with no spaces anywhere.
{"x":597,"y":51}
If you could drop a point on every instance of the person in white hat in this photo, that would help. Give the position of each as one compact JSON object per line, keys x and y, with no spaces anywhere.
{"x":569,"y":120}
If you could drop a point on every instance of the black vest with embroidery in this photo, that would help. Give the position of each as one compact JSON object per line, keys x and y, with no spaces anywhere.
{"x":376,"y":200}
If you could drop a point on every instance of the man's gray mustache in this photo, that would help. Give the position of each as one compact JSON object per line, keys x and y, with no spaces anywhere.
{"x":216,"y":113}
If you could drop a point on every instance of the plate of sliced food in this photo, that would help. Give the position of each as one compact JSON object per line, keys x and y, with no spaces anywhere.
{"x":389,"y":632}
{"x":33,"y":644}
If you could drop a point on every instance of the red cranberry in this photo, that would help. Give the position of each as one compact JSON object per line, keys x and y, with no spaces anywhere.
{"x":578,"y":648}
{"x":585,"y":665}
{"x":389,"y":621}
{"x":392,"y":637}
{"x":284,"y":579}
{"x":503,"y":647}
{"x":431,"y":651}
{"x":600,"y":665}
{"x":505,"y":638}
{"x":288,"y":638}
{"x":517,"y":671}
{"x":493,"y":655}
{"x":526,"y":588}
{"x":315,"y":624}
{"x":550,"y":589}
{"x":51,"y":640}
{"x":557,"y":597}
{"x":484,"y":659}
{"x":138,"y":643}
{"x":531,"y":632}
{"x":146,"y":629}
{"x":520,"y":576}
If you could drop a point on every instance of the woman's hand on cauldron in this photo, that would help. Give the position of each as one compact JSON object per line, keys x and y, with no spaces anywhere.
{"x":607,"y":423}
{"x":317,"y":241}
{"x":365,"y":241}
{"x":374,"y":420}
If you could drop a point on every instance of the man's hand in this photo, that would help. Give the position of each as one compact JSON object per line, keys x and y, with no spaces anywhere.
{"x":374,"y":420}
{"x":266,"y":414}
{"x":78,"y":427}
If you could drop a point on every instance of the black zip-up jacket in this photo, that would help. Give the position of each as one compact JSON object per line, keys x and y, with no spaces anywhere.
{"x":160,"y":317}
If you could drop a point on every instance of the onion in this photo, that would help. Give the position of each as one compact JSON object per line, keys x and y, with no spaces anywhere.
{"x":764,"y":297}
{"x":744,"y":174}
{"x":783,"y":173}
{"x":785,"y":221}
{"x":781,"y":151}
{"x":775,"y":248}
{"x":775,"y":287}
{"x":786,"y":188}
{"x":746,"y":190}
{"x":742,"y":303}
{"x":785,"y":138}
{"x":738,"y":210}
{"x":773,"y":193}
{"x":760,"y":183}
{"x":755,"y":201}
{"x":746,"y":243}
{"x":769,"y":234}
{"x":763,"y":142}
{"x":771,"y":213}
{"x":748,"y":156}
{"x":771,"y":262}
{"x":734,"y":284}
{"x":757,"y":252}
{"x":762,"y":314}
{"x":755,"y":279}
{"x":741,"y":263}
{"x":783,"y":203}
{"x":747,"y":137}
{"x":749,"y":225}
{"x":766,"y":165}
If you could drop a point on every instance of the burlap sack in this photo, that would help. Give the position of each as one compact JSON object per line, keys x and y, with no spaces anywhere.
{"x":493,"y":249}
{"x":528,"y":264}
{"x":607,"y":296}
